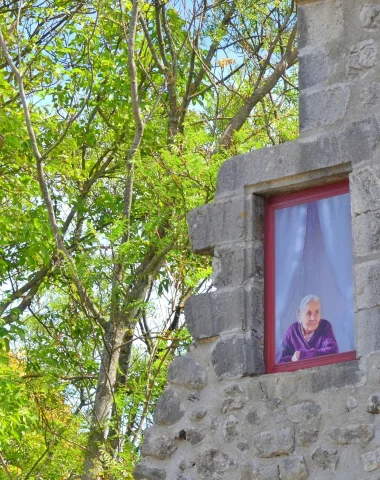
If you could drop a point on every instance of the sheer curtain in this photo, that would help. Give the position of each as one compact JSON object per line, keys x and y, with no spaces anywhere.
{"x":290,"y":243}
{"x":335,"y":224}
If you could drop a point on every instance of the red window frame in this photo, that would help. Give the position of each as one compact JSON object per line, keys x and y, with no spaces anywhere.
{"x":273,"y":204}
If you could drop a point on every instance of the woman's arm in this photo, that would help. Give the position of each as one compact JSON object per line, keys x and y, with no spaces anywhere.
{"x":288,"y":350}
{"x":328,"y":347}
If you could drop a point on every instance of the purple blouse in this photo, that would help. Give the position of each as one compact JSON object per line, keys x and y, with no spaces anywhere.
{"x":322,"y":342}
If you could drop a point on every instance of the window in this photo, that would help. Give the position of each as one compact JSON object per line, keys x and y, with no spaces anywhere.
{"x":309,"y":295}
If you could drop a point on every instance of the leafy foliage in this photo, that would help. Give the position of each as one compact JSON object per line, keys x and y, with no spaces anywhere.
{"x":131,"y":126}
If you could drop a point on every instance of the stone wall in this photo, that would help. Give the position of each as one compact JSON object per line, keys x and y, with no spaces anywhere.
{"x":339,"y":47}
{"x":221,"y":417}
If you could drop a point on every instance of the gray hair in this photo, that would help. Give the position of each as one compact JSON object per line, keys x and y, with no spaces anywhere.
{"x":308,"y":299}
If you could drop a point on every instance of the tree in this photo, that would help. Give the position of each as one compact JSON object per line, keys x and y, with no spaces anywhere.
{"x":115,"y":119}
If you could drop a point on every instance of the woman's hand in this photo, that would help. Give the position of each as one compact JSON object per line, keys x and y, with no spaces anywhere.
{"x":296,"y":356}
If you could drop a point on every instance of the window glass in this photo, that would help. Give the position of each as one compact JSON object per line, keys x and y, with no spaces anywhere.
{"x":312,"y":301}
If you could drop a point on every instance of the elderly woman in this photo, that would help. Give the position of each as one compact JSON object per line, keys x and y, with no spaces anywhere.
{"x":310,"y":336}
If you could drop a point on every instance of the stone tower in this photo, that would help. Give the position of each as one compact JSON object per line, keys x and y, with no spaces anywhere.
{"x":221,"y":417}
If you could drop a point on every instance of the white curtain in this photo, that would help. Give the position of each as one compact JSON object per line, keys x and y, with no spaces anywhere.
{"x":290,"y":228}
{"x":335,"y":224}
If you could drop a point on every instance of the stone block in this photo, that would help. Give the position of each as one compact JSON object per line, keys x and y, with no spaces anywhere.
{"x":373,"y":404}
{"x":254,"y":225}
{"x":242,"y":446}
{"x":370,"y":96}
{"x":254,"y":310}
{"x":182,"y":476}
{"x":199,"y":316}
{"x":320,"y":23}
{"x":227,"y":221}
{"x":293,"y":468}
{"x":186,"y":464}
{"x":362,"y":56}
{"x":370,"y":16}
{"x":194,"y":436}
{"x":256,"y":471}
{"x":187,"y":372}
{"x":366,"y":230}
{"x":209,"y":314}
{"x":367,"y":281}
{"x":255,"y":417}
{"x":234,"y":390}
{"x":302,"y":26}
{"x":365,"y":187}
{"x":356,"y":434}
{"x":351,"y":404}
{"x":323,"y":107}
{"x":335,"y":376}
{"x":315,"y":69}
{"x":255,"y":167}
{"x":194,"y":397}
{"x":368,"y":331}
{"x":157,"y":446}
{"x":230,"y":428}
{"x":274,"y":443}
{"x":305,"y":412}
{"x":326,"y":459}
{"x":360,"y":141}
{"x":230,"y":404}
{"x":214,"y":423}
{"x":318,"y":152}
{"x":228,"y":265}
{"x":211,"y":462}
{"x":168,"y":409}
{"x":238,"y":356}
{"x":146,"y":472}
{"x":198,"y":413}
{"x":371,"y":460}
{"x":235,"y":263}
{"x":306,"y":436}
{"x":198,"y":228}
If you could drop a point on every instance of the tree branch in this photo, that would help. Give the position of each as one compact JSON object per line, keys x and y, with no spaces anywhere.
{"x":148,"y":38}
{"x":5,"y":466}
{"x":41,"y":457}
{"x":268,"y":83}
{"x":60,"y":245}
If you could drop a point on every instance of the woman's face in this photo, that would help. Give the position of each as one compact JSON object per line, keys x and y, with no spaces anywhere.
{"x":310,"y":316}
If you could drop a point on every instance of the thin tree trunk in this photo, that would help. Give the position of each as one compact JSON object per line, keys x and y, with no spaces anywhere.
{"x":103,"y":399}
{"x":116,"y":433}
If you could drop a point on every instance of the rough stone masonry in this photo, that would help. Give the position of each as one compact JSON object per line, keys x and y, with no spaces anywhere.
{"x":221,"y":417}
